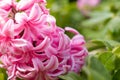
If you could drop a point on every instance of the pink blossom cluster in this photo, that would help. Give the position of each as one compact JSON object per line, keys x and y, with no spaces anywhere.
{"x":86,"y":5}
{"x":32,"y":46}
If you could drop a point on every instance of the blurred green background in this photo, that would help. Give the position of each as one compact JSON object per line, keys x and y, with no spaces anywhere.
{"x":103,"y":19}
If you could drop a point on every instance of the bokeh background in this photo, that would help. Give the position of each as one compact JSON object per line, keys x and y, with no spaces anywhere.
{"x":99,"y":21}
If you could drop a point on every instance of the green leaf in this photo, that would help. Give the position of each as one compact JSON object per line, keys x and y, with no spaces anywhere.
{"x":70,"y":76}
{"x":117,"y":63}
{"x":116,"y":51}
{"x":98,"y":71}
{"x":114,"y":24}
{"x":17,"y":0}
{"x":97,"y":18}
{"x":110,"y":44}
{"x":95,"y":70}
{"x":96,"y":44}
{"x":3,"y":75}
{"x":116,"y":76}
{"x":108,"y":60}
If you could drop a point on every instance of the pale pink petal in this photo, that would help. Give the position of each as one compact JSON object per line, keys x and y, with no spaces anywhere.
{"x":21,"y":18}
{"x":64,"y":42}
{"x":24,"y":68}
{"x":52,"y":64}
{"x":25,"y":4}
{"x":3,"y":13}
{"x":5,"y":60}
{"x":71,"y":30}
{"x":51,"y":21}
{"x":78,"y":40}
{"x":50,"y":51}
{"x":19,"y":42}
{"x":5,"y":4}
{"x":12,"y":73}
{"x":26,"y":76}
{"x":93,"y":2}
{"x":82,"y":53}
{"x":35,"y":12}
{"x":8,"y":29}
{"x":42,"y":45}
{"x":38,"y":65}
{"x":42,"y":1}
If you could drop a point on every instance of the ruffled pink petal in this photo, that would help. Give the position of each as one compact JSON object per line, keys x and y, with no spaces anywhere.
{"x":42,"y":45}
{"x":52,"y":64}
{"x":3,"y":13}
{"x":38,"y":65}
{"x":5,"y":60}
{"x":27,"y":76}
{"x":42,"y":1}
{"x":64,"y":42}
{"x":35,"y":12}
{"x":77,"y":40}
{"x":24,"y":4}
{"x":8,"y":29}
{"x":21,"y":18}
{"x":50,"y":51}
{"x":5,"y":4}
{"x":12,"y":73}
{"x":24,"y":68}
{"x":71,"y":30}
{"x":19,"y":42}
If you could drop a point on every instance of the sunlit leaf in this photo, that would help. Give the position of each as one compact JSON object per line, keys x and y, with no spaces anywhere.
{"x":3,"y":75}
{"x":108,"y":60}
{"x":116,"y":51}
{"x":95,"y":70}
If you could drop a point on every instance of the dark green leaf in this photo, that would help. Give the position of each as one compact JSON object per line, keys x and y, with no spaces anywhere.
{"x":116,"y":76}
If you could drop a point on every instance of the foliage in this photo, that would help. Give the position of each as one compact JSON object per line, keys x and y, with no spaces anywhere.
{"x":3,"y":75}
{"x":65,"y":12}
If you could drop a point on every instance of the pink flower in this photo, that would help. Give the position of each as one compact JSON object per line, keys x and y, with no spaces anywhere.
{"x":86,"y":5}
{"x":5,"y":4}
{"x":33,"y":47}
{"x":26,"y":4}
